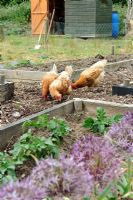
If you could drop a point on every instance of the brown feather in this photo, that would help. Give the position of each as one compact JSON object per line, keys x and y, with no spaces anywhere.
{"x":47,"y":80}
{"x":91,"y":76}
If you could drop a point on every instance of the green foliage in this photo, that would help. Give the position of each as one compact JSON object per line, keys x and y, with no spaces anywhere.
{"x":23,"y":63}
{"x":4,"y":2}
{"x":7,"y":168}
{"x":15,"y":13}
{"x":58,"y":127}
{"x":124,"y":184}
{"x":29,"y":145}
{"x":13,"y":2}
{"x":40,"y":123}
{"x":102,"y":122}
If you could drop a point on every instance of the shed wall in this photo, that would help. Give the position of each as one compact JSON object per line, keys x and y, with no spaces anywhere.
{"x":88,"y":18}
{"x":80,"y":17}
{"x":103,"y":18}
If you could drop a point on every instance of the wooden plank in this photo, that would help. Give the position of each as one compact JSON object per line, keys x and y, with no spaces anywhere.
{"x":9,"y":130}
{"x":80,"y":21}
{"x":17,"y":75}
{"x":78,"y":17}
{"x":39,"y":11}
{"x":111,"y":107}
{"x":21,"y":75}
{"x":75,"y":3}
{"x":79,"y":8}
{"x":80,"y":25}
{"x":80,"y":12}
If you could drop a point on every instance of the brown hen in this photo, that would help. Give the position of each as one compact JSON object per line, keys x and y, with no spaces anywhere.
{"x":48,"y":78}
{"x":62,"y":85}
{"x":91,"y":76}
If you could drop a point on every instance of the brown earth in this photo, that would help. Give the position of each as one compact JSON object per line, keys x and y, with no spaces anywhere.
{"x":27,"y":99}
{"x":77,"y":64}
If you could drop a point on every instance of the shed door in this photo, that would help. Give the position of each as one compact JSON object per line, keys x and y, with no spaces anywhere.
{"x":39,"y":11}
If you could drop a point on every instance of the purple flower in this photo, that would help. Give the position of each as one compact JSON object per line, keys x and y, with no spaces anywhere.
{"x":62,"y":177}
{"x":99,"y":158}
{"x":121,"y":134}
{"x":51,"y":178}
{"x":23,"y":190}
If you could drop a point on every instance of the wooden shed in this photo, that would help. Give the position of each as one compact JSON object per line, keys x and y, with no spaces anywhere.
{"x":41,"y":10}
{"x":81,"y":18}
{"x":88,"y":18}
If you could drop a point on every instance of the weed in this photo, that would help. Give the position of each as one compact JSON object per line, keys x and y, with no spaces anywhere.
{"x":58,"y":127}
{"x":102,"y":122}
{"x":30,"y":146}
{"x":7,"y":168}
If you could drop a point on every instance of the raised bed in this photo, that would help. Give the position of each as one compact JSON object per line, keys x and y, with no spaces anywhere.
{"x":32,"y":76}
{"x":27,"y":99}
{"x":70,"y":107}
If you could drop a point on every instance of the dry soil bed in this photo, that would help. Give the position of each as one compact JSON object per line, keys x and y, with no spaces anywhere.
{"x":28,"y":100}
{"x":77,"y":64}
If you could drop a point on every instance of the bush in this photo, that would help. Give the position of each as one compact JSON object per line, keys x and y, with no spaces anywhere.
{"x":4,"y":2}
{"x":15,"y":13}
{"x":12,"y":2}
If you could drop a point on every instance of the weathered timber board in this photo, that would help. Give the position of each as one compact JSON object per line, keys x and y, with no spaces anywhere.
{"x":21,"y":75}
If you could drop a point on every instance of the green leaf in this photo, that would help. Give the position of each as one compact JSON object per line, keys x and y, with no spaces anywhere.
{"x":101,"y":123}
{"x":101,"y":113}
{"x":101,"y":128}
{"x":52,"y":124}
{"x":105,"y":192}
{"x":48,"y":141}
{"x":128,"y":195}
{"x":88,"y":123}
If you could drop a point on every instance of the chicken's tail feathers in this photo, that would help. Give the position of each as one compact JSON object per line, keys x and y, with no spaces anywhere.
{"x":54,"y":68}
{"x":104,"y":62}
{"x":69,"y":70}
{"x":100,"y":64}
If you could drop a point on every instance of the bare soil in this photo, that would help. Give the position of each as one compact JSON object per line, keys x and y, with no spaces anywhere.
{"x":27,"y":99}
{"x":77,"y":64}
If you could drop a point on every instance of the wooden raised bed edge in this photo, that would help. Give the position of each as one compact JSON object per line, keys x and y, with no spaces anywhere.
{"x":30,"y":76}
{"x":9,"y":130}
{"x":78,"y":105}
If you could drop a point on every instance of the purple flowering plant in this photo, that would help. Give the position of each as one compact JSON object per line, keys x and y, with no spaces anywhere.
{"x":99,"y":158}
{"x":63,"y":177}
{"x":51,"y":178}
{"x":121,"y":134}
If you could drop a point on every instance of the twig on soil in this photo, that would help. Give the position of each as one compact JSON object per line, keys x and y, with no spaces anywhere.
{"x":35,"y":159}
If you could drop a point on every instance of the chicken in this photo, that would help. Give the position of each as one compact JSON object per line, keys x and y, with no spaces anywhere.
{"x":62,"y":85}
{"x":91,"y":76}
{"x":48,"y":78}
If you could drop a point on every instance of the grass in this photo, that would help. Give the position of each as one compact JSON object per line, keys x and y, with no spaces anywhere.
{"x":21,"y":48}
{"x":18,"y":44}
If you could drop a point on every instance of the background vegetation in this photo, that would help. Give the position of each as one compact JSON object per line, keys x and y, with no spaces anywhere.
{"x":7,"y":2}
{"x":15,"y":15}
{"x":15,"y":19}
